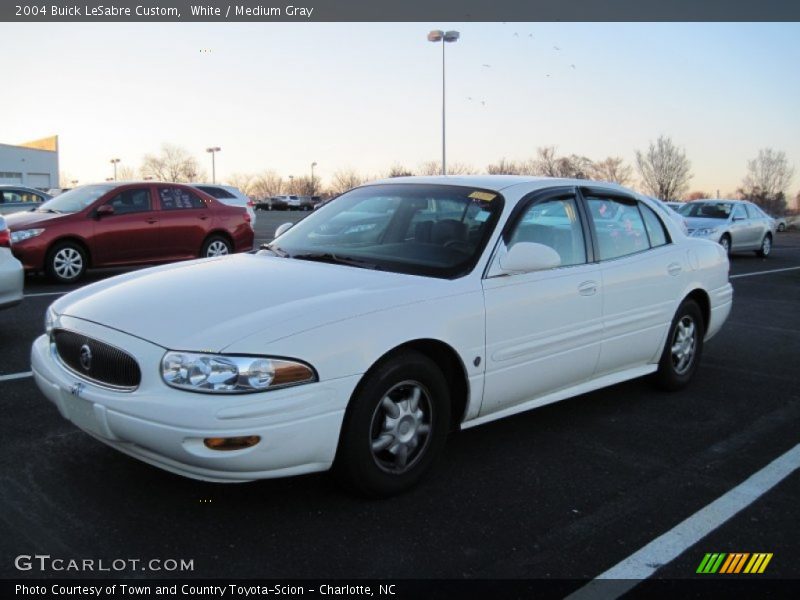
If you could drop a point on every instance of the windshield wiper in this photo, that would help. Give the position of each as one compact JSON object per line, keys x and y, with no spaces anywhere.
{"x":49,"y":210}
{"x":328,"y":257}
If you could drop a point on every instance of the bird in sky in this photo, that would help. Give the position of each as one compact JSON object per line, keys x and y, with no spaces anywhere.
{"x":487,"y":66}
{"x":556,"y":48}
{"x":573,"y":66}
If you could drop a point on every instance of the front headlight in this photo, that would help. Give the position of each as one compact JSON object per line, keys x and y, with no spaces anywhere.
{"x":223,"y":374}
{"x":705,"y":232}
{"x":25,"y":234}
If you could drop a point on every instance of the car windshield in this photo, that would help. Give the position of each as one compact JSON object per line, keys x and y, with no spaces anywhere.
{"x":76,"y":199}
{"x":707,"y":210}
{"x":433,"y":230}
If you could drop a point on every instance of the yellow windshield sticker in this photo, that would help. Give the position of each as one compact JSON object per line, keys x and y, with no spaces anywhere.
{"x":482,"y":196}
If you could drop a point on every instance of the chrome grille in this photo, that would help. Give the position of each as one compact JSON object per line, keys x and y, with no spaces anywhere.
{"x":96,"y":361}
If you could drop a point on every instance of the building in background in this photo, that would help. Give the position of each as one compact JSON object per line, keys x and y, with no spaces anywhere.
{"x":34,"y":164}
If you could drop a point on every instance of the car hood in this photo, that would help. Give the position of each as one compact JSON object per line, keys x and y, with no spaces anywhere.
{"x":209,"y":304}
{"x":703,"y":223}
{"x":27,"y":219}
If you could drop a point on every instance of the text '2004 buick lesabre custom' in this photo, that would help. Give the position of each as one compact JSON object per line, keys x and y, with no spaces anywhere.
{"x":399,"y":311}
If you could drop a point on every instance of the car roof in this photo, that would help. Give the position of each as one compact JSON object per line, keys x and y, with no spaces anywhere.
{"x":719,"y":201}
{"x":14,"y":186}
{"x":498,"y":183}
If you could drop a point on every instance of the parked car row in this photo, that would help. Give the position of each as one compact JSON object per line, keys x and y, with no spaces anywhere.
{"x":289,"y":202}
{"x":112,"y":224}
{"x":14,"y":198}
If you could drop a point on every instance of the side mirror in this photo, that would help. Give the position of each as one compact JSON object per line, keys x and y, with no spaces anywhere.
{"x":104,"y":211}
{"x":283,"y":229}
{"x":526,"y":257}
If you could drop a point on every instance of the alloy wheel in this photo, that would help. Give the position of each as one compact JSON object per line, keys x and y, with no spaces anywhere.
{"x":68,"y":263}
{"x":684,"y":342}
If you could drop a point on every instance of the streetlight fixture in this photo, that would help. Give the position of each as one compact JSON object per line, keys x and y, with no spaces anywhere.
{"x":437,"y":35}
{"x":115,"y":161}
{"x":313,"y":164}
{"x":213,"y":150}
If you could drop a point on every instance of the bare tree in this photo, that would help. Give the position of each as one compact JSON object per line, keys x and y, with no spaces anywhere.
{"x":302,"y":185}
{"x":611,"y":169}
{"x":398,"y":170}
{"x":504,"y":167}
{"x":343,"y":180}
{"x":430,"y":167}
{"x":664,"y":169}
{"x":266,"y":184}
{"x":698,"y":195}
{"x":243,"y":181}
{"x":768,"y":177}
{"x":172,"y":164}
{"x":546,"y":162}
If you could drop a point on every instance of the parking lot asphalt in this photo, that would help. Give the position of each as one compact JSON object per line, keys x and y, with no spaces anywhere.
{"x":565,"y":491}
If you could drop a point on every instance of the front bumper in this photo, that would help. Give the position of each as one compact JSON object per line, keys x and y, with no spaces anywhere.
{"x":299,"y":427}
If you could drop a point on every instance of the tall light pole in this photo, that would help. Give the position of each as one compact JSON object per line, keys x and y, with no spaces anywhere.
{"x":313,"y":164}
{"x":291,"y":184}
{"x":213,"y":150}
{"x":115,"y":161}
{"x":437,"y":35}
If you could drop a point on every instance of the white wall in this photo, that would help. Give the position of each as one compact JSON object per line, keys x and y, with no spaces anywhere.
{"x":37,"y":168}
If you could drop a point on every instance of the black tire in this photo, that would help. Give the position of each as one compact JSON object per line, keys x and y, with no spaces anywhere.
{"x":766,"y":247}
{"x":381,"y":455}
{"x":673,"y":371}
{"x":66,"y":262}
{"x":216,"y":245}
{"x":725,"y":242}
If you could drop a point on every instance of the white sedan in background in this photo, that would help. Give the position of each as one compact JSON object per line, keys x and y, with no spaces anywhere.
{"x":12,"y":275}
{"x":399,"y":311}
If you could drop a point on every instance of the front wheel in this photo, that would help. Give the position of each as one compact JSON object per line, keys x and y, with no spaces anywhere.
{"x":725,"y":242}
{"x":766,"y":247}
{"x":215,"y":246}
{"x":683,"y":349}
{"x":395,"y":426}
{"x":66,"y":262}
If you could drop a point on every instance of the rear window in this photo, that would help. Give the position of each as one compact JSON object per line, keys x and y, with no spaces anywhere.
{"x":173,"y":198}
{"x":215,"y":192}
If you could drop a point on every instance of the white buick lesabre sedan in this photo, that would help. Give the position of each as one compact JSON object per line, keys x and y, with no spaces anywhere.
{"x":399,"y":311}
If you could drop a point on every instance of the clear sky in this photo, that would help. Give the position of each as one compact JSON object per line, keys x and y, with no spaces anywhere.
{"x":279,"y":96}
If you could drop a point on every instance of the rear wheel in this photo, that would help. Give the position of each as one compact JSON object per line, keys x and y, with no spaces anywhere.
{"x":683,"y":349}
{"x":66,"y":262}
{"x":216,"y":245}
{"x":395,"y":426}
{"x":766,"y":247}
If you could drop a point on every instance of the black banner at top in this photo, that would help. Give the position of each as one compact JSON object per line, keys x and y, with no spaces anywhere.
{"x":397,"y":10}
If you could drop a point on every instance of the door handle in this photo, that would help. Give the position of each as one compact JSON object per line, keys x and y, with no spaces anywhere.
{"x":674,"y":269}
{"x":151,"y":221}
{"x":587,"y":288}
{"x":203,"y":217}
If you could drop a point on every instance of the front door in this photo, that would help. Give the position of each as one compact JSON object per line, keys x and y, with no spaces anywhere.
{"x":130,"y":234}
{"x":543,"y":329}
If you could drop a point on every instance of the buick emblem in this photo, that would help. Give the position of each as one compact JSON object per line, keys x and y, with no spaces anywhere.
{"x":86,"y":357}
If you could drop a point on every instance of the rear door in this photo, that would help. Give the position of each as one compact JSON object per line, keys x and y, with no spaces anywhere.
{"x":129,"y":235}
{"x":186,"y":219}
{"x":643,"y":276}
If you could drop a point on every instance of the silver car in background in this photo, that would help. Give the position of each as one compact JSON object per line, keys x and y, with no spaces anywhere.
{"x":12,"y":276}
{"x":737,"y":225}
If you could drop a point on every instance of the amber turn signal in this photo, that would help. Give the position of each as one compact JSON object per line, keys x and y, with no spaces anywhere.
{"x":232,"y":443}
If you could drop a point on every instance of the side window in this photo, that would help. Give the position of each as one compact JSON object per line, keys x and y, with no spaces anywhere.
{"x":752,"y":211}
{"x":131,"y":201}
{"x":738,"y":212}
{"x":554,"y":223}
{"x":655,"y":227}
{"x":173,"y":198}
{"x":619,"y":227}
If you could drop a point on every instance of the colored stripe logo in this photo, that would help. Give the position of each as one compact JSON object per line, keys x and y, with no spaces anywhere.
{"x":734,"y":563}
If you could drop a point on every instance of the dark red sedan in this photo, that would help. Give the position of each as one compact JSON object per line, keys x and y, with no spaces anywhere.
{"x":106,"y":225}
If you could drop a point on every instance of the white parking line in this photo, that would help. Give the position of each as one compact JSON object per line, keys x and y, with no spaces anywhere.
{"x":666,"y":548}
{"x":45,"y":294}
{"x":16,"y":376}
{"x":763,"y":272}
